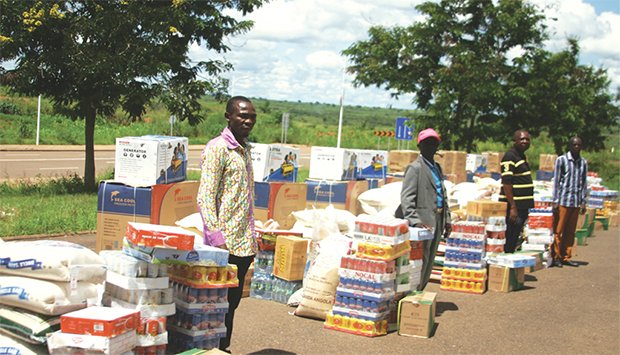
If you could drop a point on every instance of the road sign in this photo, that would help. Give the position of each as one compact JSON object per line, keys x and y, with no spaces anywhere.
{"x":384,"y":133}
{"x":404,"y":131}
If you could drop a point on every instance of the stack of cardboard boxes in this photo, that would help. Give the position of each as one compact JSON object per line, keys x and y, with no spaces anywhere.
{"x":546,"y":167}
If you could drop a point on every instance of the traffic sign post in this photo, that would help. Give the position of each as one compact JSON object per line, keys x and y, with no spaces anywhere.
{"x":404,"y":130}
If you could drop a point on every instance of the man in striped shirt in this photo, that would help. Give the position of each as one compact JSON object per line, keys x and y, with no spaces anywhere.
{"x":569,"y":200}
{"x":517,"y":188}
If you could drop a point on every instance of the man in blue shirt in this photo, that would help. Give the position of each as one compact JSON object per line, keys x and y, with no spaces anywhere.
{"x":569,"y":200}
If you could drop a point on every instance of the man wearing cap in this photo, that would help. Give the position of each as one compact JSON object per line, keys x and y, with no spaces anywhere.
{"x":517,"y":188}
{"x":423,"y":199}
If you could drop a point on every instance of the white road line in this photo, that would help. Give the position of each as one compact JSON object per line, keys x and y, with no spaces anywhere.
{"x":61,"y":168}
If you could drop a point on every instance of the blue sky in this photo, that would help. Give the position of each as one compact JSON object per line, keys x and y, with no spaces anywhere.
{"x":293,"y":52}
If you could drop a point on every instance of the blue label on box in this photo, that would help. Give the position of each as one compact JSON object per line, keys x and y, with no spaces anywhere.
{"x":261,"y":194}
{"x":287,"y":172}
{"x":123,"y":199}
{"x":323,"y":191}
{"x":373,"y":171}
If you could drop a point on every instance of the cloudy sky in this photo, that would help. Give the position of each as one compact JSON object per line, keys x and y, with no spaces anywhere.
{"x":293,"y":51}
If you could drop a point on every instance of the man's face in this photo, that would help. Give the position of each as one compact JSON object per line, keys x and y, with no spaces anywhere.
{"x":429,"y":146}
{"x":575,"y":146}
{"x":522,"y":141}
{"x":242,"y":119}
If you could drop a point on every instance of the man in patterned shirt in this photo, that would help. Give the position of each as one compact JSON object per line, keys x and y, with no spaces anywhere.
{"x":225,"y":197}
{"x":569,"y":200}
{"x":517,"y":188}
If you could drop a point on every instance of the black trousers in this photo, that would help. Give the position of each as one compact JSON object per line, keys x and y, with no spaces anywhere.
{"x":234,"y":295}
{"x":513,"y":230}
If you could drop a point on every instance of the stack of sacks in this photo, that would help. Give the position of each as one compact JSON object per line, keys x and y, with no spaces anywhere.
{"x":200,"y":277}
{"x":41,"y":280}
{"x":306,"y":220}
{"x":480,"y":189}
{"x":385,"y":198}
{"x":140,"y":286}
{"x":97,"y":330}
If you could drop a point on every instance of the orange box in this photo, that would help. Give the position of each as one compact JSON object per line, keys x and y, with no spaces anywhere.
{"x":277,"y":200}
{"x":153,"y":235}
{"x":100,"y":321}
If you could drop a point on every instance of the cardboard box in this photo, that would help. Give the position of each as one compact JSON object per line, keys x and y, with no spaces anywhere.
{"x":445,"y":159}
{"x":247,"y":282}
{"x":416,"y":314}
{"x":505,"y":279}
{"x":118,"y":204}
{"x":371,"y":163}
{"x":150,"y":160}
{"x":341,"y":194}
{"x":100,"y":321}
{"x":204,"y":255}
{"x":547,"y":162}
{"x":539,"y":260}
{"x":277,"y":200}
{"x":155,"y":235}
{"x":399,"y":159}
{"x":493,"y":161}
{"x":486,"y":208}
{"x":327,"y":163}
{"x":289,"y":261}
{"x":274,"y":162}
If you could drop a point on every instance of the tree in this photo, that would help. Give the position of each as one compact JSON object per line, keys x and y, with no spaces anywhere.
{"x":554,"y":93}
{"x":456,"y":62}
{"x":91,"y":57}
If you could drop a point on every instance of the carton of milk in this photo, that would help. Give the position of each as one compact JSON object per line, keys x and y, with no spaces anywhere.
{"x":150,"y":160}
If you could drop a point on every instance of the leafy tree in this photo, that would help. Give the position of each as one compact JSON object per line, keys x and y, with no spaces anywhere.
{"x":456,"y":62}
{"x":91,"y":57}
{"x":556,"y":94}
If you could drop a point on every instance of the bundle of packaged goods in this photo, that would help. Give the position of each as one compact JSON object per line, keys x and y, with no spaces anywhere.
{"x":144,"y":287}
{"x":507,"y":271}
{"x":464,"y":266}
{"x":201,"y":303}
{"x":495,"y":234}
{"x":264,"y":284}
{"x":97,"y":330}
{"x":195,"y":271}
{"x":367,"y":292}
{"x":41,"y":280}
{"x":539,"y":230}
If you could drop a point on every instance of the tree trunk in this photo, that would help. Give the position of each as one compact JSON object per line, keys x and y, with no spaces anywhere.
{"x":89,"y":138}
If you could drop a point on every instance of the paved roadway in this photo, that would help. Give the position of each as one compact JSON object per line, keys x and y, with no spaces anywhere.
{"x":560,"y":311}
{"x":28,"y":161}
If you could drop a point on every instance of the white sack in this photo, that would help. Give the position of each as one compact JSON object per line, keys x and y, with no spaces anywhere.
{"x":386,"y":197}
{"x":51,"y":260}
{"x":45,"y":297}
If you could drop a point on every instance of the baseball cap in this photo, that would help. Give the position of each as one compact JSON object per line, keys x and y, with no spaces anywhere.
{"x":428,"y":133}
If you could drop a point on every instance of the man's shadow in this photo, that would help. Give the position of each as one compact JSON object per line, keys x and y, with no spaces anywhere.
{"x":441,"y":307}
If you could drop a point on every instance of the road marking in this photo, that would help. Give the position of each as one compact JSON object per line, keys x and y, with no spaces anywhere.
{"x":61,"y":168}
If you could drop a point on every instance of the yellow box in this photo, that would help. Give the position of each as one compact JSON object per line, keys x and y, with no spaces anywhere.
{"x":416,"y":314}
{"x":486,"y":208}
{"x":289,"y":261}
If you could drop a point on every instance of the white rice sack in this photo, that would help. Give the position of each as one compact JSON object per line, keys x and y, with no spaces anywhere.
{"x":321,"y":281}
{"x":386,"y":197}
{"x":13,"y":347}
{"x":52,"y":260}
{"x":45,"y":297}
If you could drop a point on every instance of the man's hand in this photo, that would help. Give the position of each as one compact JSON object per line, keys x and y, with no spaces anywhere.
{"x":582,"y":209}
{"x":514,"y":213}
{"x":555,"y":205}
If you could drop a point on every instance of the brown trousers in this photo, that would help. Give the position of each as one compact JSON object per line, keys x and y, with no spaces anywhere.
{"x":564,"y":226}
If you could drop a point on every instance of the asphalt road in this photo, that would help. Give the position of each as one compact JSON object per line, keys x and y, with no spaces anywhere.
{"x":22,"y":161}
{"x":560,"y":311}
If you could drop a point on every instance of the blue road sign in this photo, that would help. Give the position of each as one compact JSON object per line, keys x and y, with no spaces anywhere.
{"x":403,"y":131}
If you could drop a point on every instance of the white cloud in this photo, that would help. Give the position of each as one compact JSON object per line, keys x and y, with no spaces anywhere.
{"x":293,"y":51}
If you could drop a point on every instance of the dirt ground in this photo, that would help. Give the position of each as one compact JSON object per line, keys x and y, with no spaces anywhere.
{"x":572,"y":310}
